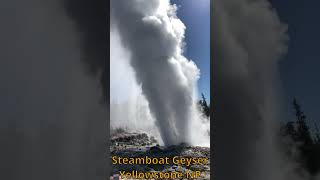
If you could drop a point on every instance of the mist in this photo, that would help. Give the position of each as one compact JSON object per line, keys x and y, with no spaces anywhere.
{"x":163,"y":81}
{"x":128,"y":107}
{"x":53,"y":124}
{"x":249,"y":41}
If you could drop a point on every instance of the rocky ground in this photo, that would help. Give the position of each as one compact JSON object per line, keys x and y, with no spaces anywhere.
{"x":133,"y":144}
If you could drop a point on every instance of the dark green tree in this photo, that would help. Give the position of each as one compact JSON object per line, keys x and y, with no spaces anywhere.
{"x":303,"y":133}
{"x":308,"y":148}
{"x":289,"y":129}
{"x":317,"y":133}
{"x":204,"y":106}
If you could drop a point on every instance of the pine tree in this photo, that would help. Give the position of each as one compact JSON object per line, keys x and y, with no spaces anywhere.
{"x":204,"y":106}
{"x":317,"y":133}
{"x":289,"y":130}
{"x":303,"y":133}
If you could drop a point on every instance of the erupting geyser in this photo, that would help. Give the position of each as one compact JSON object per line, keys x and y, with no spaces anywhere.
{"x":153,"y":35}
{"x":249,"y":40}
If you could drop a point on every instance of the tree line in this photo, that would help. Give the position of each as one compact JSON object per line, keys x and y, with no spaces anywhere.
{"x":300,"y":143}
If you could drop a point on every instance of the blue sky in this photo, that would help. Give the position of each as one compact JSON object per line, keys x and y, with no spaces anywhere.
{"x":195,"y":14}
{"x":299,"y":69}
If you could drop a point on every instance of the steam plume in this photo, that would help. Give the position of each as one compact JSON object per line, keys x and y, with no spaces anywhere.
{"x":249,"y":39}
{"x":90,"y":17}
{"x":52,"y":124}
{"x":154,"y":37}
{"x":128,"y":107}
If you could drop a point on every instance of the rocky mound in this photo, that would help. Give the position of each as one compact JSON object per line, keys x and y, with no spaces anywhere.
{"x":133,"y":144}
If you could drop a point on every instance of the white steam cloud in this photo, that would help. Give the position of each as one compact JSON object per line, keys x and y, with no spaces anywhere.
{"x":127,"y":104}
{"x":249,"y":40}
{"x":53,"y":125}
{"x":163,"y":80}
